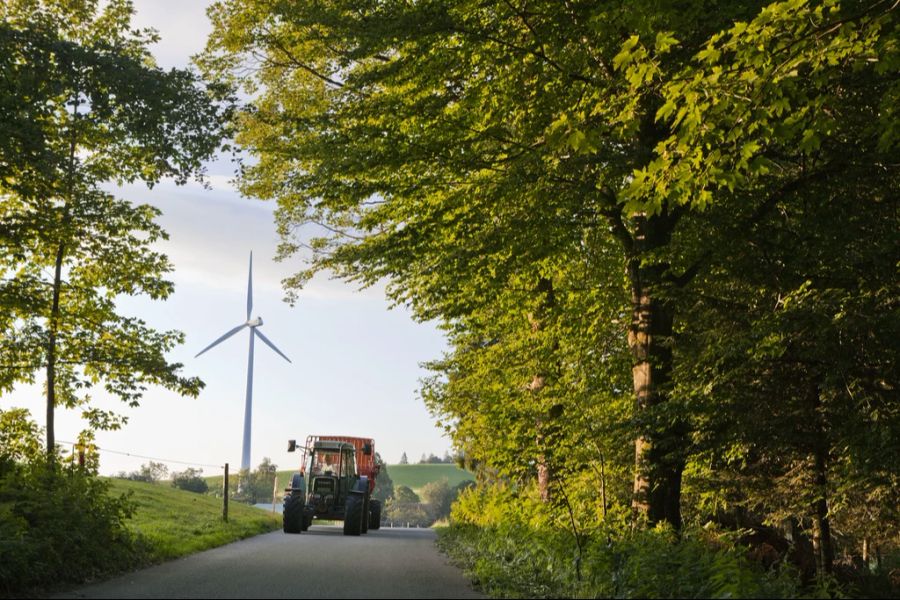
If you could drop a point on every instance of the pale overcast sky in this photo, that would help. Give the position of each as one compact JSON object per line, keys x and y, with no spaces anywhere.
{"x":355,"y":364}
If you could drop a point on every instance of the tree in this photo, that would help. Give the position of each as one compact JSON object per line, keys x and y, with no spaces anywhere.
{"x":404,"y":460}
{"x":18,"y":436}
{"x":405,"y":495}
{"x":482,"y":156}
{"x":407,"y":508}
{"x":792,"y":337}
{"x":149,"y":473}
{"x":799,"y":416}
{"x":97,"y":111}
{"x":438,"y":496}
{"x":384,"y":486}
{"x":254,"y":487}
{"x":67,"y":523}
{"x":190,"y":480}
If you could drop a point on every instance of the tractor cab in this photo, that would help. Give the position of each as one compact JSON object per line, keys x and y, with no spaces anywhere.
{"x":331,"y":475}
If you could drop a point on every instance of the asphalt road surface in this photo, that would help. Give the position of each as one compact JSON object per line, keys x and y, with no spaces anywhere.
{"x":320,"y":563}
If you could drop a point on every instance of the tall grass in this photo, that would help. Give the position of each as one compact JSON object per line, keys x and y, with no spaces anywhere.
{"x":511,"y":548}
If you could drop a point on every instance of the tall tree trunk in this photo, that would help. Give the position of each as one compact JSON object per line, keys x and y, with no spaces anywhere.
{"x":822,"y":543}
{"x":51,"y":351}
{"x":53,"y":325}
{"x":546,"y":302}
{"x":659,"y":446}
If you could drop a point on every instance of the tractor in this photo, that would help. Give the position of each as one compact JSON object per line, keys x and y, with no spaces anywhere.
{"x":335,"y":483}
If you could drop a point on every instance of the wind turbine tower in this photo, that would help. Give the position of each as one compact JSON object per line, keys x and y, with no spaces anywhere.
{"x":253,"y":325}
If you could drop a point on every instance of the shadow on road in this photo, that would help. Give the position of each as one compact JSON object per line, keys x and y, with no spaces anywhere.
{"x":383,"y":533}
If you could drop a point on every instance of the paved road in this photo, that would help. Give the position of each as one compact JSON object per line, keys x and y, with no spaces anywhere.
{"x":321,"y":563}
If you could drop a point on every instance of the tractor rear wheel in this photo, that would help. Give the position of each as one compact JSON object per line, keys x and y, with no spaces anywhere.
{"x":375,"y":515}
{"x":307,"y":521}
{"x":364,"y":528}
{"x":292,"y":519}
{"x":353,"y":515}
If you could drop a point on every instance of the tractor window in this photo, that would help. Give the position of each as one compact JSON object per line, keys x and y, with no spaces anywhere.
{"x":349,"y":469}
{"x":324,"y":462}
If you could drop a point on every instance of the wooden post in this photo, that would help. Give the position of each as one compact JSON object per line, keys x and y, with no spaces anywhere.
{"x":274,"y":491}
{"x":225,"y":496}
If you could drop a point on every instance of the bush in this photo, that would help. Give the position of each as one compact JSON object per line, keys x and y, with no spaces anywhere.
{"x":149,"y":473}
{"x":407,"y":509}
{"x":190,"y":480}
{"x":408,"y":514}
{"x":510,"y":545}
{"x":254,"y":487}
{"x":57,"y":523}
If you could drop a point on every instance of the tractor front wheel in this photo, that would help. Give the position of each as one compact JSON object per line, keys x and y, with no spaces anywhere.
{"x":292,"y":519}
{"x":353,"y":515}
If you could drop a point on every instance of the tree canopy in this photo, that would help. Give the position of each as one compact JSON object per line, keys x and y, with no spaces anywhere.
{"x":84,"y":105}
{"x":635,"y":222}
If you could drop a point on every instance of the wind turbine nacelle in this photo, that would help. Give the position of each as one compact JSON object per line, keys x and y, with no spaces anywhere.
{"x":255,"y":322}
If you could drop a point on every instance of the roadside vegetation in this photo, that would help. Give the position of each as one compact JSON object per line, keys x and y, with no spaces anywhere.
{"x":168,"y":522}
{"x":60,"y":523}
{"x":83,"y":106}
{"x":512,"y":547}
{"x":661,"y":240}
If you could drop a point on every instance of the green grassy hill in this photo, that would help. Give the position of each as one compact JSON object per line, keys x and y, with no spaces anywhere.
{"x":173,"y":523}
{"x":416,"y":476}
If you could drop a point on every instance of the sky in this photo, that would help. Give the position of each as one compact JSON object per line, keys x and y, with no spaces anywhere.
{"x":355,"y":366}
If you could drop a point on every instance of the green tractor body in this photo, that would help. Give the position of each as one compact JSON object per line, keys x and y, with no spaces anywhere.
{"x":335,"y":483}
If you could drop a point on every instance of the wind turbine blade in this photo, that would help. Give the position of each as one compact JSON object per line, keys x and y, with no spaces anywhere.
{"x":223,"y":338}
{"x":270,"y":344}
{"x":250,"y":288}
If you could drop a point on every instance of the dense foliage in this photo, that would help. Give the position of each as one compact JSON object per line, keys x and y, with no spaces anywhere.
{"x":190,"y":480}
{"x":83,"y":106}
{"x":254,"y":486}
{"x":510,"y":545}
{"x":384,"y":485}
{"x":58,"y":521}
{"x":661,"y":239}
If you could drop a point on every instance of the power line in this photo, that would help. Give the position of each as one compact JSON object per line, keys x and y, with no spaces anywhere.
{"x":166,"y":460}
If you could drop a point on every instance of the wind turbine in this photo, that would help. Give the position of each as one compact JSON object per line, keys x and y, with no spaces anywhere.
{"x":254,"y":326}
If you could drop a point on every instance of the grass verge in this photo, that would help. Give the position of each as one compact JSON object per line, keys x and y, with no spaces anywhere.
{"x":169,"y":523}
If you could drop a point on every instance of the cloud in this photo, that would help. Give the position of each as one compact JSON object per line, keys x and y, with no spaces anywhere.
{"x":211,"y":234}
{"x":183,"y":29}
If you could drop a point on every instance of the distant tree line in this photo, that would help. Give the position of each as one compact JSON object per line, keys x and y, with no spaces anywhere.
{"x":190,"y":479}
{"x":432,"y":504}
{"x":432,"y":459}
